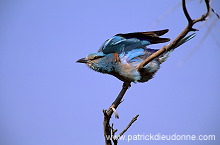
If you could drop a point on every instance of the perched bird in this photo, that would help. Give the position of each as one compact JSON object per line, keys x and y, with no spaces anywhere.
{"x":120,"y":55}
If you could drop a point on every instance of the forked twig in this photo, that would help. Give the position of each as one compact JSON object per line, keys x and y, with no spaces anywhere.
{"x":188,"y":29}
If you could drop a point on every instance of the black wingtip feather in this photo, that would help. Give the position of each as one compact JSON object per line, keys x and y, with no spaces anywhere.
{"x":144,"y":34}
{"x":158,"y":40}
{"x":160,"y":32}
{"x":152,"y":36}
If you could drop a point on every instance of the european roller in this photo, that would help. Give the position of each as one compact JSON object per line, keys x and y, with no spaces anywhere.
{"x":120,"y":55}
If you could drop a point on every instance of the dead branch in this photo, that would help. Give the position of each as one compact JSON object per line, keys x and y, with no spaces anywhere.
{"x":108,"y":113}
{"x":128,"y":126}
{"x":115,"y":140}
{"x":189,"y":28}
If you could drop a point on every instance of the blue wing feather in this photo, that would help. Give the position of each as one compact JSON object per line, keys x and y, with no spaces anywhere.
{"x":134,"y":53}
{"x":125,"y":42}
{"x":118,"y":44}
{"x":139,"y":54}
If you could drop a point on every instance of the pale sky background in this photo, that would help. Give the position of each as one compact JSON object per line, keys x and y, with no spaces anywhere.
{"x":48,"y":99}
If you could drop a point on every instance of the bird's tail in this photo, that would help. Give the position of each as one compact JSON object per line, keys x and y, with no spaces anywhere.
{"x":182,"y":41}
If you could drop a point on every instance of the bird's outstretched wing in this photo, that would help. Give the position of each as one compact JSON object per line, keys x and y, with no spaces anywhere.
{"x":129,"y":41}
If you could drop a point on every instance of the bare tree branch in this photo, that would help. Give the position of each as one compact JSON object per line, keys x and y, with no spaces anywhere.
{"x":115,"y":140}
{"x":188,"y":29}
{"x":109,"y":132}
{"x":186,"y":12}
{"x":128,"y":126}
{"x":203,"y":17}
{"x":108,"y":113}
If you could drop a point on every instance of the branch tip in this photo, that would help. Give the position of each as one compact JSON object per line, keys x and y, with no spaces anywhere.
{"x":128,"y":126}
{"x":182,"y":35}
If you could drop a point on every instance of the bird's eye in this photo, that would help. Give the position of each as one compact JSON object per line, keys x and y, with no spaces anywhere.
{"x":96,"y":57}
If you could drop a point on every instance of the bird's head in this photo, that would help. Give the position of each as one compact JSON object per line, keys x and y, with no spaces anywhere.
{"x":99,"y":62}
{"x":92,"y":57}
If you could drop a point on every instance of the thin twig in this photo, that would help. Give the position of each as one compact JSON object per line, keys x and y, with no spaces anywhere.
{"x":217,"y":15}
{"x":200,"y":42}
{"x":128,"y":126}
{"x":186,"y":11}
{"x":115,"y":140}
{"x":203,"y":17}
{"x":108,"y":113}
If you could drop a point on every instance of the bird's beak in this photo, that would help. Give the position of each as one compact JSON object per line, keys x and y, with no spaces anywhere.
{"x":82,"y":60}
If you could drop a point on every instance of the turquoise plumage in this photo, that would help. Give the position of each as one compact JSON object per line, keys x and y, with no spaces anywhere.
{"x":120,"y":55}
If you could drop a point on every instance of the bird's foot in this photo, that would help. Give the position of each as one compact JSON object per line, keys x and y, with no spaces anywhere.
{"x":126,"y":85}
{"x":115,"y":112}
